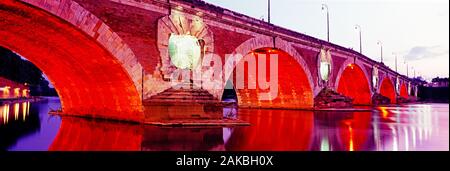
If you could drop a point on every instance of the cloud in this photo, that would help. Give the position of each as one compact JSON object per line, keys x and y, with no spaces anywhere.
{"x":424,"y":52}
{"x":442,"y":13}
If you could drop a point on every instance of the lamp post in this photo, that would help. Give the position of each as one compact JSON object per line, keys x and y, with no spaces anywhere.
{"x":325,"y":6}
{"x":407,"y":69}
{"x":381,"y":50}
{"x":358,"y":27}
{"x":395,"y":61}
{"x":268,"y":10}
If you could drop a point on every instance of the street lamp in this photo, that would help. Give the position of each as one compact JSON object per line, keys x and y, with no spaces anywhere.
{"x":407,"y":69}
{"x":358,"y":27}
{"x":268,"y":10}
{"x":325,"y":6}
{"x":381,"y":50}
{"x":395,"y":60}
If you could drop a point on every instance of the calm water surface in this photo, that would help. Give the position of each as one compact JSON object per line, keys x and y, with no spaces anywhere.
{"x":416,"y":127}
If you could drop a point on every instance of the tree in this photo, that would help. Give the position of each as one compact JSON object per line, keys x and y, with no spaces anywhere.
{"x":15,"y":68}
{"x":437,"y":79}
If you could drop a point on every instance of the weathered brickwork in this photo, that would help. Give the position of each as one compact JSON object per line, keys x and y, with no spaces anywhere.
{"x":79,"y":55}
{"x":106,"y":56}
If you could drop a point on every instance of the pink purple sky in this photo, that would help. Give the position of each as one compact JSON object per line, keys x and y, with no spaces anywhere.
{"x":416,"y":30}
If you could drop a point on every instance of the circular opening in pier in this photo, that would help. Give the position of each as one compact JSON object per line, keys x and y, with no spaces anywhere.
{"x":184,"y":51}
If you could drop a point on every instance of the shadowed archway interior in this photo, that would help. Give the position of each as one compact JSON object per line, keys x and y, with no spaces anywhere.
{"x":89,"y":80}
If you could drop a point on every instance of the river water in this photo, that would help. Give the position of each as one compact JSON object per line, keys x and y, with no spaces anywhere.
{"x":416,"y":127}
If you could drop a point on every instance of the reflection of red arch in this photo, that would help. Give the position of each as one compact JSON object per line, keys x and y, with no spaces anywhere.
{"x":273,"y":130}
{"x":404,"y":91}
{"x":77,"y":134}
{"x":88,"y":78}
{"x":387,"y":89}
{"x":353,"y":83}
{"x":354,"y":132}
{"x":294,"y":89}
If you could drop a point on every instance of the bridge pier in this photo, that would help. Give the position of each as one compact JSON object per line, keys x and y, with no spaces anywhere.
{"x":327,"y":98}
{"x":378,"y":99}
{"x":188,"y":106}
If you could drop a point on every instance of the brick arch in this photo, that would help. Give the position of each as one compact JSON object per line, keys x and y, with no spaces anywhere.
{"x":263,"y":42}
{"x":284,"y":47}
{"x":92,"y":69}
{"x":382,"y":75}
{"x":348,"y":86}
{"x":387,"y":89}
{"x":404,"y":90}
{"x":344,"y":66}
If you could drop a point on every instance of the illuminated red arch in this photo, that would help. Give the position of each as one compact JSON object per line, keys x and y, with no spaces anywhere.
{"x":88,"y":78}
{"x":387,"y":89}
{"x":404,"y":91}
{"x":294,"y":89}
{"x":353,"y":83}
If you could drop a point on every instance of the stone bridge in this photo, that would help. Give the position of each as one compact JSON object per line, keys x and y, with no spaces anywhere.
{"x":109,"y":58}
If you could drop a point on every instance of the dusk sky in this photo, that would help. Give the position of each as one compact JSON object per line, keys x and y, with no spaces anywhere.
{"x":418,"y":31}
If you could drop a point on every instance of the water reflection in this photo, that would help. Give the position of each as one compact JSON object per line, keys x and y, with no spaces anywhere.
{"x":183,"y":139}
{"x":274,"y":130}
{"x":402,"y":128}
{"x":14,"y":112}
{"x":27,"y":126}
{"x":16,"y":122}
{"x":417,"y":127}
{"x":342,"y":131}
{"x":76,"y":134}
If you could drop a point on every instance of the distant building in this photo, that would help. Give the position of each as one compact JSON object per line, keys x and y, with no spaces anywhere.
{"x":419,"y":81}
{"x":10,"y":89}
{"x":438,"y":82}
